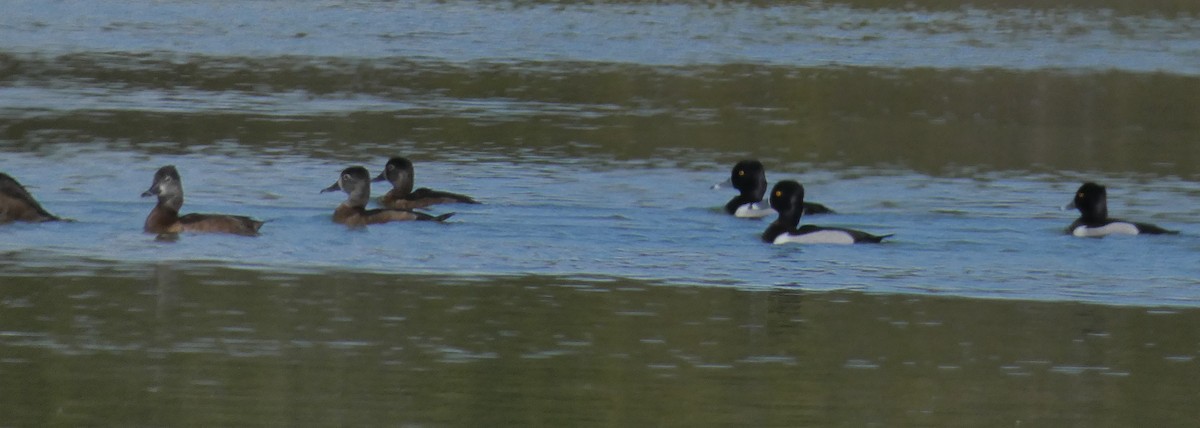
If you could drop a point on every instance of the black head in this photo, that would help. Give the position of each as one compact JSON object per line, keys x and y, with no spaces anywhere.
{"x":787,"y":198}
{"x":750,"y":178}
{"x":166,"y":183}
{"x":1092,"y":202}
{"x":396,"y":169}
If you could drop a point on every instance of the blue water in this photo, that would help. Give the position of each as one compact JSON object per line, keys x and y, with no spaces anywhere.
{"x":592,"y":134}
{"x":803,"y":34}
{"x":996,"y":236}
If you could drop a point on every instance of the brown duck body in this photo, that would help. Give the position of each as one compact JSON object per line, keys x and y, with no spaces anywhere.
{"x":16,"y":204}
{"x":421,"y":198}
{"x":360,"y":216}
{"x":165,"y":218}
{"x":356,"y":182}
{"x":400,"y":173}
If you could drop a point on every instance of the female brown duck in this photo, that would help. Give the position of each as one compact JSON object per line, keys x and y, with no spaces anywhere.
{"x":399,"y":172}
{"x":165,"y":218}
{"x":356,"y":182}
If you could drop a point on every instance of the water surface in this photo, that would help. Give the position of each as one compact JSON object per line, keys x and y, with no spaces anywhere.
{"x":171,"y":344}
{"x":599,"y":283}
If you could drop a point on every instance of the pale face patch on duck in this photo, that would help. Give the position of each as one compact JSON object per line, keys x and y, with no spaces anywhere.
{"x":818,"y":237}
{"x":1115,"y":228}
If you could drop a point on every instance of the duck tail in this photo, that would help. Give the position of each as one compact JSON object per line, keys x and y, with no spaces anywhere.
{"x":880,"y":238}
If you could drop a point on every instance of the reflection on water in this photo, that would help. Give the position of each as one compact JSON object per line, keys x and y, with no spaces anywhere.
{"x":330,"y":108}
{"x":180,"y":345}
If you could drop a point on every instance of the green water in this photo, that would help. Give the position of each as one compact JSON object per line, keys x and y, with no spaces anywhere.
{"x":200,"y":346}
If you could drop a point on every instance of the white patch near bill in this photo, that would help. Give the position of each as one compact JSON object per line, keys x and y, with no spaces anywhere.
{"x":754,"y":210}
{"x":1118,"y":228}
{"x":818,"y":237}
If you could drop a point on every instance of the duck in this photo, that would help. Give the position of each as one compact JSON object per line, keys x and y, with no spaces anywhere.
{"x":356,"y":182}
{"x":1092,"y":202}
{"x":16,"y":204}
{"x":165,"y":218}
{"x":787,"y":198}
{"x":750,"y":179}
{"x":399,"y":172}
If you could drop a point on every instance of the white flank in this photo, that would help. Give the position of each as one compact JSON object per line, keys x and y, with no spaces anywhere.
{"x":1118,"y":228}
{"x":818,"y":237}
{"x":754,"y":210}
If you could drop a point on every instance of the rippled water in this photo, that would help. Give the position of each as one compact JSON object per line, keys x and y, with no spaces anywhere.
{"x":175,"y":344}
{"x":591,"y":133}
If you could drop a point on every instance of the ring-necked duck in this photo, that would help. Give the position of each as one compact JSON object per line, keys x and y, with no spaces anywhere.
{"x":164,"y":218}
{"x":399,"y":172}
{"x":356,"y":182}
{"x":16,"y":204}
{"x":750,"y":179}
{"x":787,"y":197}
{"x":1092,"y":202}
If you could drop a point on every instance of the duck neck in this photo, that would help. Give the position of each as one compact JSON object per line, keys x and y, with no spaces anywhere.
{"x":164,"y":214}
{"x":738,"y":201}
{"x":170,"y":202}
{"x":788,"y":222}
{"x":358,"y":197}
{"x":1098,"y":213}
{"x":403,"y":184}
{"x":790,"y":219}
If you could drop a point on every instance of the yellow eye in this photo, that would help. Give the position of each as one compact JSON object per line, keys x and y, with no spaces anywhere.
{"x":741,"y":173}
{"x":778,"y":193}
{"x":1079,"y":195}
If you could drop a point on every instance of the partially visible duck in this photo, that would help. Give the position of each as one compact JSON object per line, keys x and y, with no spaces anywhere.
{"x":165,"y":218}
{"x":786,"y":198}
{"x":16,"y":204}
{"x":1092,"y":202}
{"x":399,"y":172}
{"x":356,"y":182}
{"x":750,"y":179}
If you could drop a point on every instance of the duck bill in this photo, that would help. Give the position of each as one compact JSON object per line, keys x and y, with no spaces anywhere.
{"x":727,"y":183}
{"x":153,"y":190}
{"x":381,"y":177}
{"x":1068,"y":206}
{"x":335,"y":187}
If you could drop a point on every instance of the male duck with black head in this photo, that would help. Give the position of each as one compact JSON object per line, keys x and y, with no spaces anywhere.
{"x":1092,"y":202}
{"x":787,"y":198}
{"x":399,"y":172}
{"x":165,"y":218}
{"x":16,"y":204}
{"x":356,"y":182}
{"x":750,"y":179}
